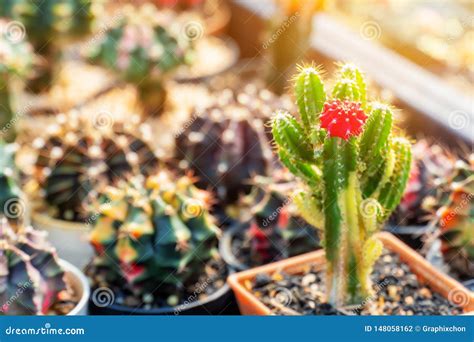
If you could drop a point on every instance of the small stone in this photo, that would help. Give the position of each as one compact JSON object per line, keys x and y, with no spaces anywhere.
{"x":308,"y":279}
{"x":262,"y":279}
{"x":392,"y":291}
{"x":426,"y":293}
{"x":409,"y":300}
{"x":172,"y":300}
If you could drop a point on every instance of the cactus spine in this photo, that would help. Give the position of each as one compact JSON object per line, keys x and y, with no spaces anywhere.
{"x":354,"y":169}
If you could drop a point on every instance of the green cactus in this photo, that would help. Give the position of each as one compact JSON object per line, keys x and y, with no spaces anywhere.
{"x":354,"y":168}
{"x":31,"y":281}
{"x":154,"y":235}
{"x":16,"y":61}
{"x":50,"y":24}
{"x":143,"y":48}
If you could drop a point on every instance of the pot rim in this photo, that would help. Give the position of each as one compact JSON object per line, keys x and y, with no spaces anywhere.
{"x":169,"y":309}
{"x":225,"y":246}
{"x":82,"y":280}
{"x":438,"y":281}
{"x":46,"y":222}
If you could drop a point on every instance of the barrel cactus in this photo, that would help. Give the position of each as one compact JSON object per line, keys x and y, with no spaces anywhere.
{"x":226,"y":143}
{"x":153,"y":237}
{"x":49,"y":24}
{"x":75,"y":156}
{"x":143,"y":48}
{"x":16,"y":62}
{"x":354,"y":169}
{"x":455,"y":218}
{"x":32,"y":280}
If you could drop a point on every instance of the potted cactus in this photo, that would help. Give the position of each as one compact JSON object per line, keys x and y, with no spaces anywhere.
{"x":34,"y":280}
{"x":144,"y":48}
{"x":16,"y":62}
{"x":354,"y":170}
{"x":156,"y":249}
{"x":49,"y":24}
{"x":269,"y":227}
{"x":226,"y":144}
{"x":73,"y":157}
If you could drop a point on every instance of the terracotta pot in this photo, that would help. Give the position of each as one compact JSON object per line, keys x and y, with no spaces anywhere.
{"x":78,"y":281}
{"x":426,"y":273}
{"x":69,"y":238}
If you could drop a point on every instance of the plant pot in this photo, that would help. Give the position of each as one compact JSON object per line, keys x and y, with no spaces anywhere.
{"x":78,"y":281}
{"x":186,"y":74}
{"x":413,"y":236}
{"x":221,"y":302}
{"x":69,"y":238}
{"x":225,"y":249}
{"x":426,"y":273}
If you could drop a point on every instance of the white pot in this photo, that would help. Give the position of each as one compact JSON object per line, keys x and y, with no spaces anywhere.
{"x":78,"y":281}
{"x":69,"y":238}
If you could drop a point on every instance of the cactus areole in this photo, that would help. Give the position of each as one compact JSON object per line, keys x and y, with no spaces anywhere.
{"x":354,"y":171}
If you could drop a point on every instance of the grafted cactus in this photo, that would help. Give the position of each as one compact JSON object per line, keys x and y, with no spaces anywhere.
{"x":16,"y":61}
{"x":155,"y":235}
{"x":31,"y":279}
{"x":10,"y":192}
{"x":76,"y":155}
{"x":354,"y":168}
{"x":143,"y":49}
{"x":49,"y":25}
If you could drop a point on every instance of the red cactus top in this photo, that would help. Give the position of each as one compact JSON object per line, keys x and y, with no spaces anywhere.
{"x":343,"y":119}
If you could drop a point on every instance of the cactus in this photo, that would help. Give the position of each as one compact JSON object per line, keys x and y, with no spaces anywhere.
{"x":455,"y":218}
{"x":288,"y":40}
{"x":32,"y":280}
{"x":143,"y":48}
{"x":49,"y":25}
{"x":154,"y":235}
{"x":76,"y":156}
{"x":354,"y":169}
{"x":16,"y":61}
{"x":226,"y":143}
{"x":11,"y":205}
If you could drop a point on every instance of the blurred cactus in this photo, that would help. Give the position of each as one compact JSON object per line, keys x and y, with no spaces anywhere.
{"x":289,"y":39}
{"x":76,"y":156}
{"x":16,"y":61}
{"x":143,"y":48}
{"x":226,"y":144}
{"x":153,"y":236}
{"x":31,"y":281}
{"x":49,"y":25}
{"x":354,"y":168}
{"x":455,"y":218}
{"x":11,"y":205}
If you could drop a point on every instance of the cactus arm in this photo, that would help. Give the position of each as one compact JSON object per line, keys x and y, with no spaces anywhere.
{"x":309,"y":209}
{"x":310,"y":95}
{"x":350,"y":71}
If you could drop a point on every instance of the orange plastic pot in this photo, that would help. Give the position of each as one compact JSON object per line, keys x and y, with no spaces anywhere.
{"x":426,"y":273}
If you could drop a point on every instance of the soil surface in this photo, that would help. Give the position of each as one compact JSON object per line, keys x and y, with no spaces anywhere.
{"x":166,"y":295}
{"x":396,"y":292}
{"x":68,"y":299}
